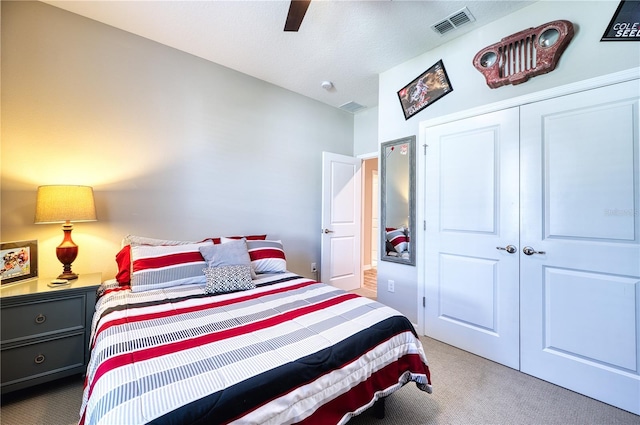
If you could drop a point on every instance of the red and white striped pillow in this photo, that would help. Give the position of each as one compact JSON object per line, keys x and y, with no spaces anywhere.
{"x":155,"y":267}
{"x":123,"y":257}
{"x":267,"y":256}
{"x":398,"y":238}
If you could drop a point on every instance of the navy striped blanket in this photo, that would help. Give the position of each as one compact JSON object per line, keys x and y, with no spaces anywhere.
{"x":290,"y":351}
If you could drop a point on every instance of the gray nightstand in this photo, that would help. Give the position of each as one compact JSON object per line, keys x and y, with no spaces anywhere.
{"x":45,"y":331}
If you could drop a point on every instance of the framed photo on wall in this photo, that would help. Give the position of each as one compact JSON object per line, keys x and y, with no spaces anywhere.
{"x":19,"y":261}
{"x":426,"y":89}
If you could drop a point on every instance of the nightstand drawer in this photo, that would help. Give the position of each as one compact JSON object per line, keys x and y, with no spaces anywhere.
{"x":45,"y":330}
{"x":42,"y":358}
{"x":26,"y":320}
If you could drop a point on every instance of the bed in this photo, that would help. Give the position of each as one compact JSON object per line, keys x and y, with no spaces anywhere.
{"x":287,"y":350}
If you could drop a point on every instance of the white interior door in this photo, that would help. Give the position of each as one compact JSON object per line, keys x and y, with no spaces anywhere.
{"x":580,"y":310}
{"x":471,"y":214}
{"x":341,"y":221}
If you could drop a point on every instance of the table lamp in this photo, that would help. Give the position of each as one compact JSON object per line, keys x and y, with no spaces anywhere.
{"x":64,"y":204}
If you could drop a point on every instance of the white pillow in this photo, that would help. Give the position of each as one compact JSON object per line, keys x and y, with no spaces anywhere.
{"x":134,"y":240}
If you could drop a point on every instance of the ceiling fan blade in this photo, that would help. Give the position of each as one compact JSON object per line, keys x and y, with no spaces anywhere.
{"x":297,"y":9}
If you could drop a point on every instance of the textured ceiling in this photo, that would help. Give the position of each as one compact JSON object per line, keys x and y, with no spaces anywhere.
{"x":346,"y":42}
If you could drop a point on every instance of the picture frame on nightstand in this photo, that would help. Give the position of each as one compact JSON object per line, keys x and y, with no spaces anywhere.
{"x":18,"y":261}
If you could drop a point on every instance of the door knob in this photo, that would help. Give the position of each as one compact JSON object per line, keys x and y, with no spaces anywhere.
{"x":509,"y":248}
{"x":327,"y":231}
{"x":530,"y":251}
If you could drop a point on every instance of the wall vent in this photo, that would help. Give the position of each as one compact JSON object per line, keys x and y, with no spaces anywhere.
{"x":352,"y":107}
{"x":453,"y":21}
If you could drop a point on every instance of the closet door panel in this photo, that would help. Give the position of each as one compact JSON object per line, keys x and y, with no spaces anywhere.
{"x":589,"y":173}
{"x":472,"y":295}
{"x":468,"y":173}
{"x":580,"y":214}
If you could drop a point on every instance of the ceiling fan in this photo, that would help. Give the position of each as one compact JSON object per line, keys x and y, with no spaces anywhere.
{"x":297,"y":9}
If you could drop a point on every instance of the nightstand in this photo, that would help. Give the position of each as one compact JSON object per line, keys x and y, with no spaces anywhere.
{"x":45,"y":331}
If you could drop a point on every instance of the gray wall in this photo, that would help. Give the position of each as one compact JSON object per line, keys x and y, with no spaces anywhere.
{"x":586,"y":57}
{"x":175,"y":146}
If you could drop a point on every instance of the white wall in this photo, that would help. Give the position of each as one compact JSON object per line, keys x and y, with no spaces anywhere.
{"x":365,"y":137}
{"x":586,"y":57}
{"x":175,"y":146}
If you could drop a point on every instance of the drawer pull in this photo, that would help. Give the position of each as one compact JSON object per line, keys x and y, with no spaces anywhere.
{"x":41,"y":318}
{"x":39,"y":359}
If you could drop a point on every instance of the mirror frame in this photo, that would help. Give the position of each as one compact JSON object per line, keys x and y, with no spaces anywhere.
{"x":411,"y":154}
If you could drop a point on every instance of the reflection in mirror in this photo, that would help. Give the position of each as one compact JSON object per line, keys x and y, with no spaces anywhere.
{"x":397,"y":200}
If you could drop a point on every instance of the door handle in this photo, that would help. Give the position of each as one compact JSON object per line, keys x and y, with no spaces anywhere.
{"x":327,"y":231}
{"x":530,"y":251}
{"x":509,"y":248}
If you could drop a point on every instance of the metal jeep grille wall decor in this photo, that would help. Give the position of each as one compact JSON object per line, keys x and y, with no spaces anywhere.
{"x":525,"y":54}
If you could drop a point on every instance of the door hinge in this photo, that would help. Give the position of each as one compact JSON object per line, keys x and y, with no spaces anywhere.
{"x":424,"y":301}
{"x":424,"y":224}
{"x":425,"y":146}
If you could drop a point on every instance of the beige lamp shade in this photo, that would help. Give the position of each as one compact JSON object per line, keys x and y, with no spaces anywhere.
{"x":58,"y":204}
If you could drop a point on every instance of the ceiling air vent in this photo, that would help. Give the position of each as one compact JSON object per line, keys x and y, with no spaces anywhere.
{"x":443,"y":27}
{"x":352,"y":107}
{"x":453,"y":21}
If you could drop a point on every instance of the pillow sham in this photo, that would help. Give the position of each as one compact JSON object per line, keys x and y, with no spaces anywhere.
{"x":143,"y":240}
{"x":224,"y":279}
{"x":398,"y":238}
{"x":267,"y":256}
{"x":156,"y":267}
{"x":231,"y":253}
{"x":123,"y":257}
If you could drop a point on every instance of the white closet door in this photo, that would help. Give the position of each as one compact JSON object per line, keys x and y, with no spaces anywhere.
{"x":580,"y":204}
{"x":472,"y":207}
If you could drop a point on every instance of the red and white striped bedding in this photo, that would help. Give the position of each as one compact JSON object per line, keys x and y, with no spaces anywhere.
{"x":292,"y":350}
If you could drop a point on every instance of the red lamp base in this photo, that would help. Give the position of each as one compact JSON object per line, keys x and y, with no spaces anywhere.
{"x":67,"y":252}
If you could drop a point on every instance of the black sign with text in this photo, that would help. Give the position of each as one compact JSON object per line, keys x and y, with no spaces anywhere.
{"x":625,"y":24}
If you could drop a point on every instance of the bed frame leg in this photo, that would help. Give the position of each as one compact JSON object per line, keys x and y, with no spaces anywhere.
{"x":378,"y":408}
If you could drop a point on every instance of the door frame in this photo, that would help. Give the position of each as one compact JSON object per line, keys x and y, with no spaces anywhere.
{"x":363,"y":157}
{"x":422,"y":146}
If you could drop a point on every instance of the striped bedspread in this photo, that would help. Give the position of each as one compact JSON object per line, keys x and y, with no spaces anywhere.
{"x":290,"y":351}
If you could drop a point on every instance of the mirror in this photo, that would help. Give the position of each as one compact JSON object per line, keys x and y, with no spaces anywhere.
{"x":397,"y":200}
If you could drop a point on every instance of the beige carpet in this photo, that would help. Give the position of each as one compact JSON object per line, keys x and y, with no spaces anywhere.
{"x":467,"y":390}
{"x":54,"y":403}
{"x":364,"y":292}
